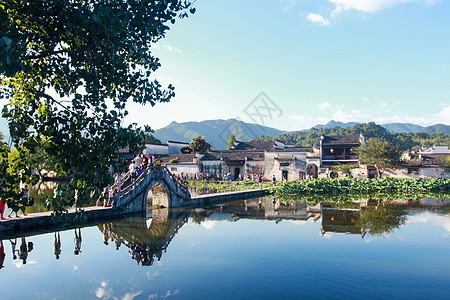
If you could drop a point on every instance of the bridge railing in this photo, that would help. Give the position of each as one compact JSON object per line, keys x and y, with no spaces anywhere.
{"x":130,"y":184}
{"x":182,"y":186}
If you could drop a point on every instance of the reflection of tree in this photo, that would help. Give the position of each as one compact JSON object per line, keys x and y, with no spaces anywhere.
{"x":199,"y":216}
{"x":381,"y":219}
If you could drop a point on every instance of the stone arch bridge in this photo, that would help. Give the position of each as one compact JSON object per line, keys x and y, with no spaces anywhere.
{"x":157,"y":184}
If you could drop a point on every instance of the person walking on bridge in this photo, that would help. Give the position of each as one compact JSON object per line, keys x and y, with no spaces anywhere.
{"x":132,"y":169}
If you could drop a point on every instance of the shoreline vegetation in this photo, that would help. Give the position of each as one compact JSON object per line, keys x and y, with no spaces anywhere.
{"x":337,"y":189}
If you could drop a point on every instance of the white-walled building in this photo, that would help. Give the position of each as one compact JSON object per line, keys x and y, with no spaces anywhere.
{"x":246,"y":159}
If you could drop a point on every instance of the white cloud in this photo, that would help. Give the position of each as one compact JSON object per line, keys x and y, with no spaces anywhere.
{"x":318,"y":19}
{"x":19,"y":264}
{"x":209,"y":225}
{"x":443,"y":116}
{"x":427,"y":217}
{"x":170,"y":48}
{"x":369,"y":5}
{"x":299,"y":222}
{"x":130,"y":296}
{"x":306,"y":122}
{"x":384,"y":104}
{"x":324,"y":106}
{"x":100,"y":292}
{"x":153,"y":275}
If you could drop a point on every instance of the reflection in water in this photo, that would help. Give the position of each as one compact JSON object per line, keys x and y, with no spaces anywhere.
{"x":57,"y":245}
{"x":241,"y":250}
{"x":148,"y":238}
{"x":146,"y":243}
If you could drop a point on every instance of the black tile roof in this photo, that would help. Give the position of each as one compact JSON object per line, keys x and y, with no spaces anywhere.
{"x":341,"y":139}
{"x":256,"y":146}
{"x":228,"y":155}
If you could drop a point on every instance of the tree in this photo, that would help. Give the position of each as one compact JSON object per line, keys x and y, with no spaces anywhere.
{"x":380,"y":153}
{"x":344,"y":168}
{"x":199,"y":145}
{"x":68,"y":69}
{"x":150,"y":138}
{"x":231,"y":141}
{"x":446,"y":163}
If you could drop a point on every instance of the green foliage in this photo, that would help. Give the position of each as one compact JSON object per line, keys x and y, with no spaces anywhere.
{"x":185,"y":150}
{"x":199,"y":145}
{"x":404,"y":141}
{"x":150,"y":139}
{"x":447,"y":163}
{"x":68,"y":69}
{"x":346,"y":169}
{"x":380,"y":153}
{"x":231,"y":141}
{"x":361,"y":186}
{"x":174,"y":160}
{"x":226,"y":186}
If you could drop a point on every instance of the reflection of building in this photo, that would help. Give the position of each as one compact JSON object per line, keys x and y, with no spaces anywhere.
{"x":341,"y":221}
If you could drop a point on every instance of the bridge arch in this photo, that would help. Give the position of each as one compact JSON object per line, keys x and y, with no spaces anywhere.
{"x":165,"y":189}
{"x":160,"y":195}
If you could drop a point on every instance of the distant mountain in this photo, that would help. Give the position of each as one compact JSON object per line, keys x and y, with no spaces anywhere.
{"x":403,"y":127}
{"x":437,"y":128}
{"x":215,"y":132}
{"x":333,"y":124}
{"x":394,"y":127}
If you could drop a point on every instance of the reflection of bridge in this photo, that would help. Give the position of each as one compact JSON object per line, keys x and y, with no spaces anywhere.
{"x":149,"y":242}
{"x":165,"y":190}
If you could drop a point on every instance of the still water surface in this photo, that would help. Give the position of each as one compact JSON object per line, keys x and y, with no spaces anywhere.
{"x":244,"y":250}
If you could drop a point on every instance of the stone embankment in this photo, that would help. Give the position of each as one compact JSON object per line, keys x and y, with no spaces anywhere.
{"x":41,"y":222}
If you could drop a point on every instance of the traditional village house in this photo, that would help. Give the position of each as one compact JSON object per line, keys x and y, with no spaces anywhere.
{"x":290,"y":163}
{"x":175,"y":147}
{"x":156,"y":149}
{"x":435,"y":150}
{"x":336,"y":150}
{"x":428,"y":163}
{"x":182,"y":164}
{"x":286,"y":162}
{"x":247,"y":158}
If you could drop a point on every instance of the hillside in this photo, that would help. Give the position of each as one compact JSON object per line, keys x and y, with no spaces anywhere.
{"x":403,"y":140}
{"x":332,"y":124}
{"x":438,"y":128}
{"x":403,"y":127}
{"x":215,"y":132}
{"x":392,"y":127}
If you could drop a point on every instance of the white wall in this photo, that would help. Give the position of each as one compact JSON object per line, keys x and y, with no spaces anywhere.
{"x":152,"y":149}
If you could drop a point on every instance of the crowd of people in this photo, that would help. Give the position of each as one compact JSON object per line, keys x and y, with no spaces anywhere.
{"x":21,"y":252}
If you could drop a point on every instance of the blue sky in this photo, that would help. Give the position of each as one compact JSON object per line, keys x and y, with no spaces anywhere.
{"x":346,"y":60}
{"x":314,"y":60}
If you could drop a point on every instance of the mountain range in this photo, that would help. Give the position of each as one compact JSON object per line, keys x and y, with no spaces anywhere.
{"x":217,"y":132}
{"x":394,"y":127}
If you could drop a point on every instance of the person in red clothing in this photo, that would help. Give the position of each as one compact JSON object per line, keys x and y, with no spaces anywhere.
{"x":2,"y":206}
